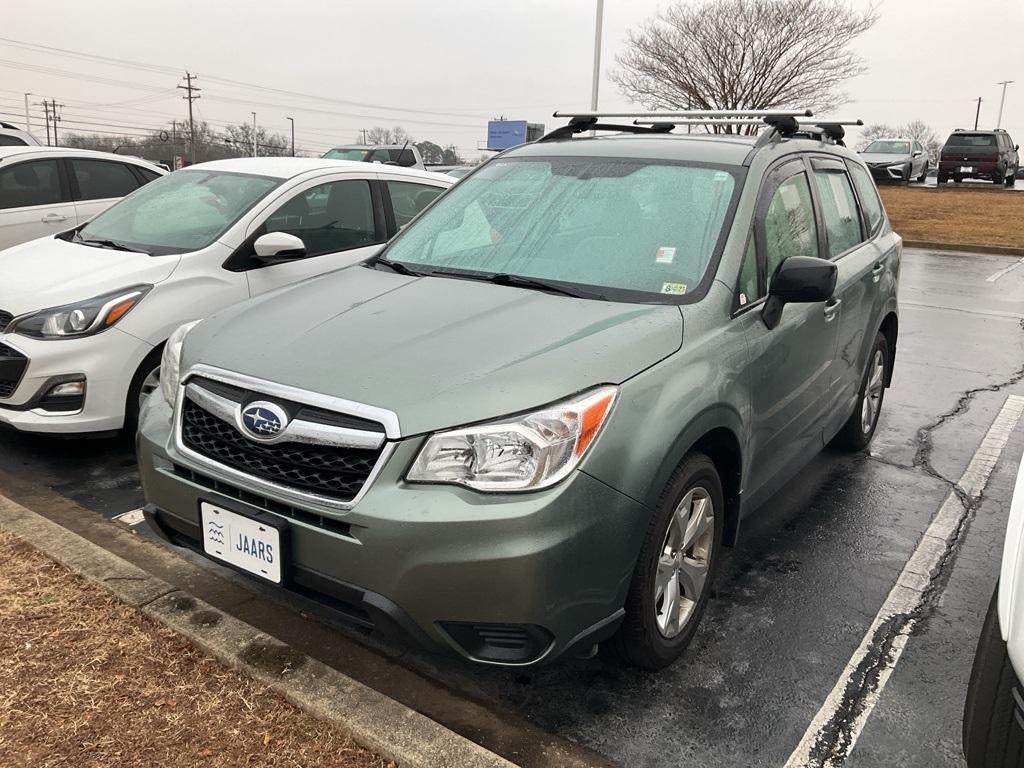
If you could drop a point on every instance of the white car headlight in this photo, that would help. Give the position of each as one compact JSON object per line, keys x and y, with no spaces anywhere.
{"x":525,"y":453}
{"x":170,"y":362}
{"x":83,"y":318}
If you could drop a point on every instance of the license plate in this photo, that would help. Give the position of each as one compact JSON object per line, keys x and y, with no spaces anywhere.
{"x":241,"y":541}
{"x":966,"y":169}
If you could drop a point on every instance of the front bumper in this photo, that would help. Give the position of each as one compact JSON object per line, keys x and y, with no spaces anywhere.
{"x":107,"y":361}
{"x":894,"y":172}
{"x":512,"y":579}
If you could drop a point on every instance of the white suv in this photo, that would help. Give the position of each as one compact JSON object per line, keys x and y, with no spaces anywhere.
{"x":44,"y":190}
{"x":994,"y":713}
{"x":84,"y":314}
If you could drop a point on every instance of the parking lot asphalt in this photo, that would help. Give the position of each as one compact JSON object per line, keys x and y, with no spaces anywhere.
{"x":812,"y":569}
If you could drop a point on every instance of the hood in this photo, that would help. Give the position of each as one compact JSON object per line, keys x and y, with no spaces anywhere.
{"x":438,"y":352}
{"x":887,"y":158}
{"x":49,"y":272}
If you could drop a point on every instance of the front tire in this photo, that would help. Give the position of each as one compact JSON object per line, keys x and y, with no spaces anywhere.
{"x":992,"y":738}
{"x":924,"y":174}
{"x":144,"y":383}
{"x":677,"y":564}
{"x":858,"y":430}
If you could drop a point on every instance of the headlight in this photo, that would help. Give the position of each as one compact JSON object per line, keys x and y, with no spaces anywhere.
{"x":83,"y":318}
{"x":525,"y":453}
{"x":170,"y":362}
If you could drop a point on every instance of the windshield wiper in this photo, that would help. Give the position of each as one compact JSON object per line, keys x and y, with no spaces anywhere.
{"x":112,"y":244}
{"x":395,"y":266}
{"x":518,"y":281}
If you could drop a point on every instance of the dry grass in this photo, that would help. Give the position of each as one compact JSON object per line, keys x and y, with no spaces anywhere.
{"x":957,"y":216}
{"x":86,"y":682}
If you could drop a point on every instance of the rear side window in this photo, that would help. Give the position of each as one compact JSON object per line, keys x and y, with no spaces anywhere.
{"x":789,"y":227}
{"x":868,"y":197}
{"x":28,"y":184}
{"x":147,"y":174}
{"x":100,"y":179}
{"x":328,"y":218}
{"x":6,"y":140}
{"x":839,"y":209}
{"x":404,"y":157}
{"x":408,"y":199}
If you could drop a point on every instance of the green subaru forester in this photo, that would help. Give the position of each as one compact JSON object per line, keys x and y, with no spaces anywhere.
{"x":531,"y":423}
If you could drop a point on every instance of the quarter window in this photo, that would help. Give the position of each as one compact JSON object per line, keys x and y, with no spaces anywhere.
{"x":409,"y":199}
{"x":868,"y":194}
{"x":839,"y":209}
{"x":100,"y":179}
{"x":329,"y":217}
{"x":27,"y":184}
{"x":789,"y":227}
{"x":749,"y":290}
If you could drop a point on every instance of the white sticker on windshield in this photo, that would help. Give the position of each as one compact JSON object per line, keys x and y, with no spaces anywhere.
{"x":665,"y":255}
{"x":673,"y":288}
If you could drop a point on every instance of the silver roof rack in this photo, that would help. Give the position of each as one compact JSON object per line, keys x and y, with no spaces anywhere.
{"x":702,"y":121}
{"x":713,"y":113}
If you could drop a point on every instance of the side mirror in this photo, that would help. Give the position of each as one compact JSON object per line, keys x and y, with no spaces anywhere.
{"x":917,"y":153}
{"x":278,"y":247}
{"x":798,"y":280}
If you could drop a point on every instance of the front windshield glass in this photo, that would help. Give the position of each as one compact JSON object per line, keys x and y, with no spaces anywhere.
{"x":889,"y":147}
{"x":347,"y":153}
{"x":626,"y":229}
{"x":184,"y":211}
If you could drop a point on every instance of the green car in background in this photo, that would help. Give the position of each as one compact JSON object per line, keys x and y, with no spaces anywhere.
{"x":532,"y":422}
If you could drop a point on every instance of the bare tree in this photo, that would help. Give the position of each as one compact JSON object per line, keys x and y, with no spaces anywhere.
{"x":744,"y":54}
{"x":380,"y":135}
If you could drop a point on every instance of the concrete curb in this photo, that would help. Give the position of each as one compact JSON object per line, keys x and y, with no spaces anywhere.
{"x":1001,"y":250}
{"x":370,"y":718}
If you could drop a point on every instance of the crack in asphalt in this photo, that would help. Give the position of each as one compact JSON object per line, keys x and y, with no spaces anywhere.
{"x":837,"y":735}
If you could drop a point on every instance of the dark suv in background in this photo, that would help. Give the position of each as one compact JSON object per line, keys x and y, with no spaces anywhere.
{"x":988,"y":155}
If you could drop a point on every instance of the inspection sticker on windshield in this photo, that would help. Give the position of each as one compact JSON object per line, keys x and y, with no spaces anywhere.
{"x":673,"y":288}
{"x":665,"y":255}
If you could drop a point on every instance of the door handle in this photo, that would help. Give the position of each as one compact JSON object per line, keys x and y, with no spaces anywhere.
{"x":831,"y":307}
{"x":877,"y":270}
{"x":53,"y":218}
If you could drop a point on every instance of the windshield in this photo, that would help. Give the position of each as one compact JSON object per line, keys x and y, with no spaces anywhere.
{"x":889,"y":147}
{"x":631,"y":230}
{"x":184,"y":211}
{"x":971,"y":140}
{"x":348,"y":153}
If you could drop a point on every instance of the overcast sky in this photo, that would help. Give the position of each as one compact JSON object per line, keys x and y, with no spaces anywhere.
{"x":443,"y":67}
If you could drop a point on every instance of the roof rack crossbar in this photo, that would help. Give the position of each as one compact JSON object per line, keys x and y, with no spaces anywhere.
{"x":584,"y":124}
{"x":693,"y":113}
{"x":701,"y":121}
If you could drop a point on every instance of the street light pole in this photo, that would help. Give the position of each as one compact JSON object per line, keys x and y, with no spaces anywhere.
{"x":1002,"y":100}
{"x":254,"y":134}
{"x":977,"y":114}
{"x":597,"y":55}
{"x":292,"y":121}
{"x":28,"y":126}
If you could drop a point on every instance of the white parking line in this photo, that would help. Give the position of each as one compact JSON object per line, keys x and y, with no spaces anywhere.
{"x":1005,"y":271}
{"x":905,"y":598}
{"x":134,"y":517}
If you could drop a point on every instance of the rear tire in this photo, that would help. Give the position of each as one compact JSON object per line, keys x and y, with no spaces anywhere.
{"x":676,"y":567}
{"x":144,"y":382}
{"x":858,"y":430}
{"x":992,"y":738}
{"x":924,"y":174}
{"x":942,"y":178}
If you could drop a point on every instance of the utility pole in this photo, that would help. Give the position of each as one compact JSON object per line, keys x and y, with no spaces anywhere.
{"x":1002,"y":100}
{"x":364,"y":134}
{"x":46,"y":111}
{"x":977,"y":114}
{"x":189,"y":77}
{"x":55,"y":116}
{"x":597,"y":55}
{"x":292,"y":121}
{"x":28,"y":125}
{"x":254,"y":134}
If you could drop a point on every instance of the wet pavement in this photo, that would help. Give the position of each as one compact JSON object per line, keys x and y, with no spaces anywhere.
{"x":813,"y":567}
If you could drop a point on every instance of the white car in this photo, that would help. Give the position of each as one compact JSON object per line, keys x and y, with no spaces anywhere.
{"x":994,"y":713}
{"x":12,"y":136}
{"x":45,"y":190}
{"x":84,"y":314}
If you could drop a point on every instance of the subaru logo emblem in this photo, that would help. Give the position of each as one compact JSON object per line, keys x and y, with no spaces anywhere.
{"x":262,"y":420}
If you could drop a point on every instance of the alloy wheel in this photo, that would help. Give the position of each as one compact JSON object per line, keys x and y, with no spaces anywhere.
{"x":684,"y":561}
{"x":873,"y":392}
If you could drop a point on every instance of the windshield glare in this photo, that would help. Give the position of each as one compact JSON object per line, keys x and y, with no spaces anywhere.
{"x":889,"y":147}
{"x":184,"y":211}
{"x":632,"y":229}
